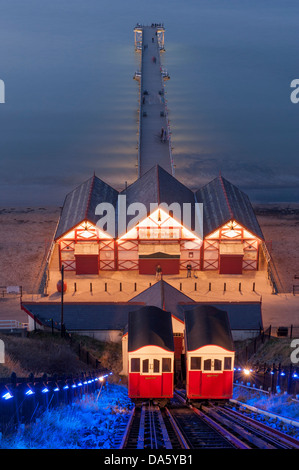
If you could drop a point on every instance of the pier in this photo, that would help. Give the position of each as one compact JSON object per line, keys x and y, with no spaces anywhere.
{"x":154,"y":139}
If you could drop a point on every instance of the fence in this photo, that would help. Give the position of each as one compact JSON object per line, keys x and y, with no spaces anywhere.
{"x":273,"y":379}
{"x":295,"y":289}
{"x":12,"y":325}
{"x":273,"y":276}
{"x":244,"y":354}
{"x":10,"y":291}
{"x":22,"y":400}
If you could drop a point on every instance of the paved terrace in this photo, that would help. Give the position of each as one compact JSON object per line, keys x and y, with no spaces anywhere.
{"x":153,"y":150}
{"x":277,"y":310}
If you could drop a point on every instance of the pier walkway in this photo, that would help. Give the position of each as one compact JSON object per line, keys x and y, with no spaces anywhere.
{"x":154,"y":148}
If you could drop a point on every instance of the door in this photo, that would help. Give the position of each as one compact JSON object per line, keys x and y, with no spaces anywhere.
{"x":87,"y":264}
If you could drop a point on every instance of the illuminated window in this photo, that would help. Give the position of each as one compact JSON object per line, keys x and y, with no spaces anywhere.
{"x":207,"y":364}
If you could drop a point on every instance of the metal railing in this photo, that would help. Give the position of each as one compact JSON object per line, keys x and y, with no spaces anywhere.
{"x":12,"y":324}
{"x":22,"y":400}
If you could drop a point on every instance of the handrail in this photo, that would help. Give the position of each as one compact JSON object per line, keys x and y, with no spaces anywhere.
{"x":4,"y":324}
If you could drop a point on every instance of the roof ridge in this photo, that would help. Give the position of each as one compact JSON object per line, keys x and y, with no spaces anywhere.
{"x":89,"y":195}
{"x":158,"y":186}
{"x":226,"y":197}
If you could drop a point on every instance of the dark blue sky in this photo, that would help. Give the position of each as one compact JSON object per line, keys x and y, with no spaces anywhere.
{"x":71,"y":103}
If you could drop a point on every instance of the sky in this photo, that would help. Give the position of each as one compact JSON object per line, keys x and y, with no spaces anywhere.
{"x":71,"y":102}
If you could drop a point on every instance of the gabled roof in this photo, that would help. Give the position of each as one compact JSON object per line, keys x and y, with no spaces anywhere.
{"x":222,"y":202}
{"x":164,"y":296}
{"x":207,"y":325}
{"x":150,"y":326}
{"x":158,"y":186}
{"x":80,"y":204}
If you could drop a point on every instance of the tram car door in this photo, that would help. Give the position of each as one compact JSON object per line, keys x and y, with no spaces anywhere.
{"x":151,"y":375}
{"x":209,"y":354}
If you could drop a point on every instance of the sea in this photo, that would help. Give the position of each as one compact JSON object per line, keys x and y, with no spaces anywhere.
{"x":71,"y":104}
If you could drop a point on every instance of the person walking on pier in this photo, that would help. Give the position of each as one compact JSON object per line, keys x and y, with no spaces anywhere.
{"x":189,"y":268}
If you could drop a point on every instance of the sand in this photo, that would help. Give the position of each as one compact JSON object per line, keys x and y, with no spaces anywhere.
{"x":280,"y":226}
{"x":26,"y":234}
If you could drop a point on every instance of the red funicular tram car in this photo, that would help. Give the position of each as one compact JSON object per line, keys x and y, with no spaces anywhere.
{"x":209,"y":355}
{"x":150,"y":355}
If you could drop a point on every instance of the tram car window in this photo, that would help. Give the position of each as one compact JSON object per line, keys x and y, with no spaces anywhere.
{"x":150,"y":355}
{"x":209,"y":355}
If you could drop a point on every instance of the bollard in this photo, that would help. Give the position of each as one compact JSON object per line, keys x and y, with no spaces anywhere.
{"x":75,"y":287}
{"x":180,"y":286}
{"x":253,"y":287}
{"x":240,"y":287}
{"x":105,"y":286}
{"x":210,"y":286}
{"x":90,"y":287}
{"x":135,"y":286}
{"x":224,"y":287}
{"x":120,"y":286}
{"x":195,"y":286}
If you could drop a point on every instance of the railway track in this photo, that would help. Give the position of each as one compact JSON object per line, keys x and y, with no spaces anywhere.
{"x":256,"y":434}
{"x":174,"y":427}
{"x":243,"y":429}
{"x":182,"y":426}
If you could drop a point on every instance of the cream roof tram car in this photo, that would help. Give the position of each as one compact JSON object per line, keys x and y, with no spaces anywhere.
{"x":209,"y":355}
{"x":150,"y":355}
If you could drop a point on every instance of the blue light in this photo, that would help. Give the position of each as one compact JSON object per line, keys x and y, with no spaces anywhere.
{"x":295,"y":375}
{"x":45,"y":390}
{"x":74,"y":386}
{"x":282,"y":373}
{"x":56,"y":389}
{"x":80,"y":384}
{"x":65,"y":387}
{"x":7,"y":396}
{"x":29,"y":392}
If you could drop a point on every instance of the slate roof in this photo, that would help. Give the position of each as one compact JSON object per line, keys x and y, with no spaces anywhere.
{"x":207,"y":325}
{"x":150,"y":326}
{"x":158,"y":186}
{"x":82,"y":316}
{"x":242,"y":315}
{"x":80,"y":204}
{"x":164,"y":296}
{"x":222,"y":202}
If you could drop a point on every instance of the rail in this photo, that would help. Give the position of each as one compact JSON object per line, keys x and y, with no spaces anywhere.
{"x":12,"y":324}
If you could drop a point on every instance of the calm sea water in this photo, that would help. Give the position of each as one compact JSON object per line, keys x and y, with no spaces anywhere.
{"x":71,"y":102}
